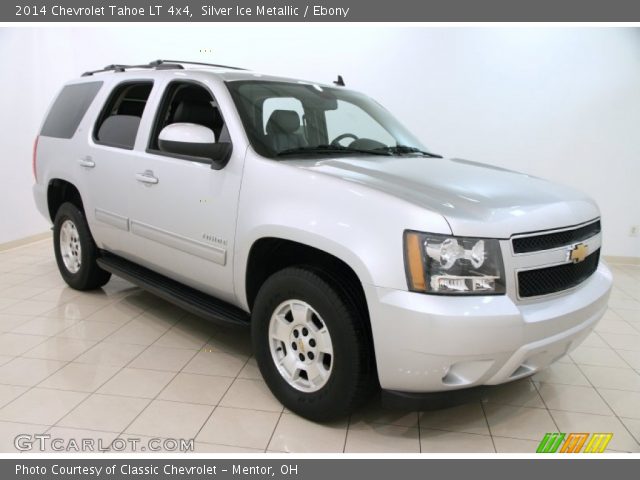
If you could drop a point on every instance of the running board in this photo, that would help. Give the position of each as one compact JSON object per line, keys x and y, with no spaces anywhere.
{"x":190,"y":299}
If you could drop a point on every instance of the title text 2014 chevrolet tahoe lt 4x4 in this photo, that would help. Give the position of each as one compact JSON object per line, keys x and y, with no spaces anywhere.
{"x":359,"y":259}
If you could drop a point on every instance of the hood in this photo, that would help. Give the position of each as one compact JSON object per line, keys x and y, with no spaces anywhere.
{"x":476,"y":199}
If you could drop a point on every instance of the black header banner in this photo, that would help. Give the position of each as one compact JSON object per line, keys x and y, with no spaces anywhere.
{"x":319,"y":11}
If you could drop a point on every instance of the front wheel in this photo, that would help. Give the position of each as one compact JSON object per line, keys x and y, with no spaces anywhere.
{"x":75,"y":250}
{"x":311,"y":345}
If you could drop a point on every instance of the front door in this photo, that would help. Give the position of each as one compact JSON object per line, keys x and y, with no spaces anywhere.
{"x":183,"y":212}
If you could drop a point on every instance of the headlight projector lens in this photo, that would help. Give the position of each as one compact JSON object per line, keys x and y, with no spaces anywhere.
{"x":453,"y":265}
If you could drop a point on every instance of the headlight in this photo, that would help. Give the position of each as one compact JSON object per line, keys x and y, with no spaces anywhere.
{"x":442,"y":264}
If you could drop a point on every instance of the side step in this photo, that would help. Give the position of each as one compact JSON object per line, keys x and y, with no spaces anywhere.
{"x":188,"y":298}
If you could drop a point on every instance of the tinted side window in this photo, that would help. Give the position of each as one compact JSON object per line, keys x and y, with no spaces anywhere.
{"x":68,"y":109}
{"x":117,"y":125}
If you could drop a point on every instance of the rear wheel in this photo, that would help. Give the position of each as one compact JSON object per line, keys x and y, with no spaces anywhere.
{"x":75,"y":250}
{"x":311,"y":345}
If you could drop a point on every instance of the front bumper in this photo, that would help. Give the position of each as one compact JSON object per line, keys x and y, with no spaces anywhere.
{"x":428,"y":343}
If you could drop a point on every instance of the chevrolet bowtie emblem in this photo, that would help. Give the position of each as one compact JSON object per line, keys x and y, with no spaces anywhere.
{"x":578,"y":252}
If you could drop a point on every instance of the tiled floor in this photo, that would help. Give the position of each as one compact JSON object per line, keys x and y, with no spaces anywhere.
{"x":120,"y":363}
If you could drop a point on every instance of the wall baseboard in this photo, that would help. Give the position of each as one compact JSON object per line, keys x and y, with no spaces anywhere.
{"x":24,"y":241}
{"x":616,"y":260}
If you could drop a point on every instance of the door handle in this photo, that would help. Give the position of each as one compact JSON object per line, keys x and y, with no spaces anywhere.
{"x":86,"y":162}
{"x":146,"y":177}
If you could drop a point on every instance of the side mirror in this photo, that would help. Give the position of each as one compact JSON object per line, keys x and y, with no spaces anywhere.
{"x":193,"y":140}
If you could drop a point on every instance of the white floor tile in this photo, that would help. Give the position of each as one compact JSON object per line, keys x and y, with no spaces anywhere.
{"x":76,"y":440}
{"x":104,"y":412}
{"x":201,"y":447}
{"x":9,"y":393}
{"x":376,"y":438}
{"x":136,"y":382}
{"x":117,"y":354}
{"x":438,"y":441}
{"x":251,"y":394}
{"x":86,"y":330}
{"x":163,"y":358}
{"x":373,"y":412}
{"x":633,"y":425}
{"x":58,"y":348}
{"x":515,"y":445}
{"x":520,"y":393}
{"x":17,"y":344}
{"x":239,"y":427}
{"x":467,"y":418}
{"x":573,"y":398}
{"x":600,"y":357}
{"x":622,"y":341}
{"x":615,"y":378}
{"x":170,"y":420}
{"x":80,"y":377}
{"x":250,"y":370}
{"x":193,"y":388}
{"x":9,"y":322}
{"x":41,"y":406}
{"x":43,"y":326}
{"x":29,"y":307}
{"x":73,"y":310}
{"x":10,"y":430}
{"x":28,"y":371}
{"x":632,"y":358}
{"x":208,"y":362}
{"x":584,"y":422}
{"x":519,"y":422}
{"x":295,"y":434}
{"x":139,"y":331}
{"x":624,"y":404}
{"x":562,"y":373}
{"x":190,"y":335}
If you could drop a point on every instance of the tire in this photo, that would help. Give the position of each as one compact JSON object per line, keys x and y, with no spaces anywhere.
{"x":75,"y":250}
{"x":343,"y":379}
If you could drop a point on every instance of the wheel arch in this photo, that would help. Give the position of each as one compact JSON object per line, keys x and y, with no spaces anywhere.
{"x":60,"y":191}
{"x":267,"y":254}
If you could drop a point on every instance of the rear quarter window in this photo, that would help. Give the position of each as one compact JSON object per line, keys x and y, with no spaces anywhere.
{"x":69,"y":108}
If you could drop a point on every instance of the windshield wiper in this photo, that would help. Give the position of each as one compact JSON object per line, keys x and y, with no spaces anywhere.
{"x":323,"y":149}
{"x":407,"y":149}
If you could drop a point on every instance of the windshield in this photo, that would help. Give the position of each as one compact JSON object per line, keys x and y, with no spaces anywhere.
{"x":296,"y":119}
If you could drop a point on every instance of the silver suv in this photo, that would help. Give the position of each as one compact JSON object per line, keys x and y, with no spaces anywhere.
{"x":359,"y":258}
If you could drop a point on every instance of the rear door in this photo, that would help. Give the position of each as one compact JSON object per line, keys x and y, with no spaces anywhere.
{"x":106,"y":163}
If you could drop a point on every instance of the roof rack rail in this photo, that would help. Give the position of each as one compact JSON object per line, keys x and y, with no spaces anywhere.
{"x":156,"y":64}
{"x":161,"y":62}
{"x":122,"y":68}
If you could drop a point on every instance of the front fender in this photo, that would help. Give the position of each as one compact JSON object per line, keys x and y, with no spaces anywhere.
{"x":357,"y":224}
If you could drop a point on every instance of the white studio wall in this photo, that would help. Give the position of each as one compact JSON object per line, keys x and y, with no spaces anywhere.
{"x":559,"y":103}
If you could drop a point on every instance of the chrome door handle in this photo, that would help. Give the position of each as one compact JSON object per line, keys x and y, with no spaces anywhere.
{"x":146,"y":177}
{"x":87,"y":162}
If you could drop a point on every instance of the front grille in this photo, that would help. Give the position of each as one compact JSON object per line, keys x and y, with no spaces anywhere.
{"x":547,"y":241}
{"x":543,"y":281}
